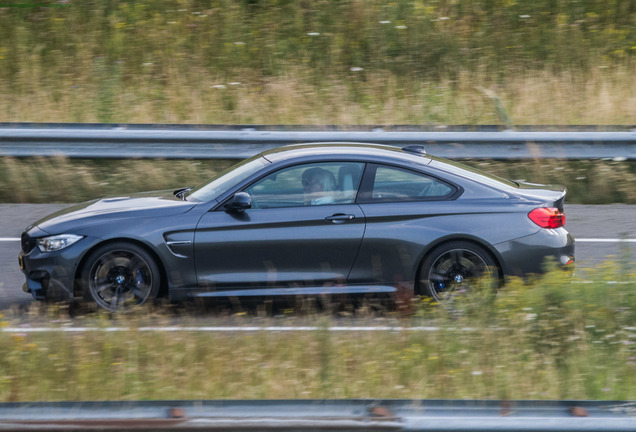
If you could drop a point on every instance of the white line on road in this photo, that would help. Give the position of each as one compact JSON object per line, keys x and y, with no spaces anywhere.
{"x":578,"y":240}
{"x":221,"y":329}
{"x":605,"y":240}
{"x":246,"y":329}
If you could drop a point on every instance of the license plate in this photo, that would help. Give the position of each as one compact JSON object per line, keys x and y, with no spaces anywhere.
{"x":21,"y":262}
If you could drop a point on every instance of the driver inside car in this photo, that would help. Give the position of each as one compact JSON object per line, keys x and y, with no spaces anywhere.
{"x":319,"y":186}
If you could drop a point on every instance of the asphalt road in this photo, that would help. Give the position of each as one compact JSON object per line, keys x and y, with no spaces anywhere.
{"x":596,"y":229}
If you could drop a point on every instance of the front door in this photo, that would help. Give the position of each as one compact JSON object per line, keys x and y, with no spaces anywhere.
{"x":303,"y":229}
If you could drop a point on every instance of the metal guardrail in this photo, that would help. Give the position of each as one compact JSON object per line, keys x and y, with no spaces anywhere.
{"x":238,"y":142}
{"x":332,"y":415}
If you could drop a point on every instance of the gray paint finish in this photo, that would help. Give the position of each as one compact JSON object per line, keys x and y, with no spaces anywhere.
{"x":380,"y":239}
{"x":610,"y":222}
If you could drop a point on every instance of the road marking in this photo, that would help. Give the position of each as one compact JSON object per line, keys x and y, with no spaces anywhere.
{"x":605,"y":240}
{"x":244,"y":329}
{"x":578,"y":240}
{"x":222,"y":329}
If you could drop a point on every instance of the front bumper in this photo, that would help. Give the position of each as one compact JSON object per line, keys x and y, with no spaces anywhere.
{"x":51,"y":275}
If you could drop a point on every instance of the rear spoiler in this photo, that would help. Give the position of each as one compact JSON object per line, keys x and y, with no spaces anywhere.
{"x":553,"y":195}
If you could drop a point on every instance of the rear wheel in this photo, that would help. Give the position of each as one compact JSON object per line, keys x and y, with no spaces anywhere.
{"x":120,"y":276}
{"x":458,"y":267}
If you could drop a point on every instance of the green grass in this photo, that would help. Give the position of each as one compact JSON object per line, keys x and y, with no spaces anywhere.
{"x":550,"y":339}
{"x":320,"y":62}
{"x":292,"y":62}
{"x":325,"y":62}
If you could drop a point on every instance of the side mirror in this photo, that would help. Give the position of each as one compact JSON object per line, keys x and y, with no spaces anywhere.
{"x":240,"y":202}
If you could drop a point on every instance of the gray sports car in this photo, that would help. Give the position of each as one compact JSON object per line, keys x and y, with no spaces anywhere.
{"x":312,"y":219}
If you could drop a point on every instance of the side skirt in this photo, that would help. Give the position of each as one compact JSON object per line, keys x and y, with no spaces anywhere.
{"x":319,"y":290}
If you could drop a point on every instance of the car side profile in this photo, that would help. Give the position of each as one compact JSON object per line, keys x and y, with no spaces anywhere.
{"x":312,"y":219}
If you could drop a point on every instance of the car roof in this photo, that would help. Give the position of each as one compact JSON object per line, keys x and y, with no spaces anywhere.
{"x":348,"y":150}
{"x":413,"y":156}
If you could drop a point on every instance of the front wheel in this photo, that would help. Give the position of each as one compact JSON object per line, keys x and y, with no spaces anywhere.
{"x":458,"y":267}
{"x":120,"y":276}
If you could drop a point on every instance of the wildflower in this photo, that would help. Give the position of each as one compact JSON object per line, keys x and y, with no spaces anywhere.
{"x":18,"y":337}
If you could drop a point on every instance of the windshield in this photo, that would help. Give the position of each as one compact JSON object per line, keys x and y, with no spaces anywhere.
{"x":226,"y":179}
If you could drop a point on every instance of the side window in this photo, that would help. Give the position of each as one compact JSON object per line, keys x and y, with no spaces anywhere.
{"x":391,"y":184}
{"x":308,"y":184}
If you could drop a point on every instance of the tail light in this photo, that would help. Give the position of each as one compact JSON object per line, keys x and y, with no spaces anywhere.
{"x":547,"y":217}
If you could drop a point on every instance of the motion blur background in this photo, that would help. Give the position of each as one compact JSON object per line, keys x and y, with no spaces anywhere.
{"x":326,"y":62}
{"x":354,"y":62}
{"x":319,"y":62}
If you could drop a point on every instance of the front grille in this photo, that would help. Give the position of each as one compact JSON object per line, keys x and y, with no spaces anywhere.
{"x":27,"y":243}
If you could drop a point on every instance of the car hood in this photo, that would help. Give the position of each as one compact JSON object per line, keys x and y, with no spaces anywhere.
{"x":147,"y":204}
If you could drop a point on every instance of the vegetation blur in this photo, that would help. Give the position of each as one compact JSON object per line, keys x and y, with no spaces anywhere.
{"x":345,"y":62}
{"x":552,"y":338}
{"x":321,"y":62}
{"x":58,"y":179}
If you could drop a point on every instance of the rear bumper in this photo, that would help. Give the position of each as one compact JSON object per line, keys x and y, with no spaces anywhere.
{"x":534,"y":254}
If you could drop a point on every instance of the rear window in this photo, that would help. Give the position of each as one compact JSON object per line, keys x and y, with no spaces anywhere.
{"x":474,"y":173}
{"x":393,"y":184}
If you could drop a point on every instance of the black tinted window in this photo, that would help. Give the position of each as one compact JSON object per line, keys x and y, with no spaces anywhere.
{"x":396,"y":184}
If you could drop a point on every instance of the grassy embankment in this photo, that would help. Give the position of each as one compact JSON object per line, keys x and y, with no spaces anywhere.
{"x":352,"y":62}
{"x":321,"y":63}
{"x":45,"y":180}
{"x":547,"y":340}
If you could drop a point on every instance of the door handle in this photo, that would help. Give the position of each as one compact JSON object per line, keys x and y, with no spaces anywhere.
{"x":340,"y":218}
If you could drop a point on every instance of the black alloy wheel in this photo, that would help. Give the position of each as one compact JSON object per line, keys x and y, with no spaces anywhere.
{"x":456,"y":268}
{"x":120,"y":276}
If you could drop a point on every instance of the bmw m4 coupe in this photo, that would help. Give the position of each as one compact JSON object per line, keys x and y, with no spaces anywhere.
{"x":313,"y":219}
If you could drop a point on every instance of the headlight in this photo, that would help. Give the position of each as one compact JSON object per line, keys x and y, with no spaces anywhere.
{"x":57,"y":242}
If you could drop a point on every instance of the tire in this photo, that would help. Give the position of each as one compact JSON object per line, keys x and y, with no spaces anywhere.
{"x":120,"y":276}
{"x":455,"y":268}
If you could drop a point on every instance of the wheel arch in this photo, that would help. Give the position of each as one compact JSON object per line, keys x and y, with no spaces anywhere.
{"x":163,"y":290}
{"x":450,"y":239}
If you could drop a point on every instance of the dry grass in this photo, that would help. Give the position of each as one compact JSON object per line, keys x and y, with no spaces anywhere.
{"x":43,"y":180}
{"x":348,"y":62}
{"x":256,"y":63}
{"x":547,"y":340}
{"x":606,"y":96}
{"x":46,"y":180}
